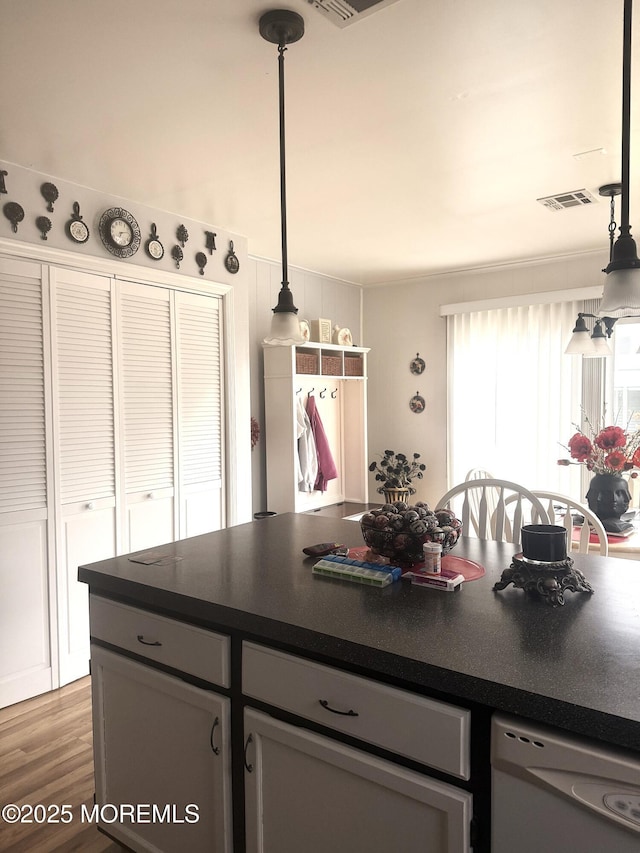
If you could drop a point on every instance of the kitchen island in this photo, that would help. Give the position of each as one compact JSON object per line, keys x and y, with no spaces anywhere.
{"x":473,"y":651}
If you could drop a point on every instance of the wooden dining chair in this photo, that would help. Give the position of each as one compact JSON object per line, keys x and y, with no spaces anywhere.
{"x":499,"y":525}
{"x":574,"y":516}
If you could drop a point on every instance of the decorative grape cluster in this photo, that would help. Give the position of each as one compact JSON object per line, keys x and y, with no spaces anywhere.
{"x":399,"y":531}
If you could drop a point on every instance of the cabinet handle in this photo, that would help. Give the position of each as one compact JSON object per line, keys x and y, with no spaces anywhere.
{"x":349,"y":713}
{"x":248,"y":767}
{"x":142,"y":640}
{"x":90,"y":505}
{"x":150,"y":496}
{"x":214,"y":749}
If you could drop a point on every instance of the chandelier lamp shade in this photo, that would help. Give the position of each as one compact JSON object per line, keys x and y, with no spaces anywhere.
{"x":591,"y":344}
{"x":621,"y":294}
{"x":283,"y":27}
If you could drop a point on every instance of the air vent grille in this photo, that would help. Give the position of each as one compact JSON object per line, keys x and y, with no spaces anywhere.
{"x":343,"y":14}
{"x":562,"y":201}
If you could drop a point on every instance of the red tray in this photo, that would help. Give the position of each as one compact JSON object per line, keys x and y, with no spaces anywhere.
{"x":471,"y":571}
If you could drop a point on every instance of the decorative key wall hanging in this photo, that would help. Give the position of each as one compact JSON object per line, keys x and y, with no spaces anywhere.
{"x":49,"y":194}
{"x":211,"y":241}
{"x":43,"y":224}
{"x":14,"y":213}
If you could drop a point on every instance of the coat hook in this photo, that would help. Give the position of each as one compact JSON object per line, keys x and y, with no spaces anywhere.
{"x":322,"y":393}
{"x":309,"y":393}
{"x":298,"y":391}
{"x":334,"y":394}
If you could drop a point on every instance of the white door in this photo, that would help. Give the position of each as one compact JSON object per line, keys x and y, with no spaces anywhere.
{"x":84,"y":447}
{"x":200,"y":416}
{"x":159,"y":740}
{"x":306,"y":792}
{"x":147,"y":356}
{"x":27,"y":633}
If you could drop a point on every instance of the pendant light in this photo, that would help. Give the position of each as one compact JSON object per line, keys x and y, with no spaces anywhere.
{"x":283,"y":27}
{"x":621,"y":296}
{"x":594,"y":344}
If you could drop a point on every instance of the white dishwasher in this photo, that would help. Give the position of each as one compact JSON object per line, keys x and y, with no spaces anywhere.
{"x":553,"y":792}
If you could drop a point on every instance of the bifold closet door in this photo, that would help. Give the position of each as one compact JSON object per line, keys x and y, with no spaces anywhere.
{"x":85,"y":448}
{"x":171,"y":390}
{"x":200,"y":416}
{"x":147,"y":358}
{"x":26,"y":583}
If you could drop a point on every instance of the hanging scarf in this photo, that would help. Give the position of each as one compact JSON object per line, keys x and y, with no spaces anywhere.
{"x":326,"y":466}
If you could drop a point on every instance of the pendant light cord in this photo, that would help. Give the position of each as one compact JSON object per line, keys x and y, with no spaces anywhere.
{"x":283,"y":180}
{"x":626,"y":117}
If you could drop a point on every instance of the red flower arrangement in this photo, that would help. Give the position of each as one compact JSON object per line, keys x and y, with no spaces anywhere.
{"x":610,"y":451}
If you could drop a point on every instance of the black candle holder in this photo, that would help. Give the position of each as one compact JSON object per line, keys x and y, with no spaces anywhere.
{"x":543,"y":567}
{"x":549,"y":580}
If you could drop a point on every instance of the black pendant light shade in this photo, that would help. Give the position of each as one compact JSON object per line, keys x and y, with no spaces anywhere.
{"x":283,"y":27}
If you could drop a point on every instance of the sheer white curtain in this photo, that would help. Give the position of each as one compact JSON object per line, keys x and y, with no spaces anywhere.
{"x":513,"y":394}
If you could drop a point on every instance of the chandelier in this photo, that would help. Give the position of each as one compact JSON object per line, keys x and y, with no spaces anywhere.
{"x":621,"y":294}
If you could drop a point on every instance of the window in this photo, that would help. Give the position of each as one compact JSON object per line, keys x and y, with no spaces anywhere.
{"x":624,"y":404}
{"x":623,"y":380}
{"x":514,"y":395}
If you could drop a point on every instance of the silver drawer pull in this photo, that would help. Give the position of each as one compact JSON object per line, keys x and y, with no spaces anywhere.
{"x":214,"y":749}
{"x":325,"y":704}
{"x":142,"y":640}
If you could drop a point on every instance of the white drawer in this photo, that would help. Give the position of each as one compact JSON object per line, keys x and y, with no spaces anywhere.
{"x":192,"y":650}
{"x":431,"y":732}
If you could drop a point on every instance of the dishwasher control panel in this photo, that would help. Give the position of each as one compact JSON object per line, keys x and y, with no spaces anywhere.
{"x":624,"y":804}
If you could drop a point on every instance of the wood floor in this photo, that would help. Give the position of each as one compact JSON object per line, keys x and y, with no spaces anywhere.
{"x":46,"y":757}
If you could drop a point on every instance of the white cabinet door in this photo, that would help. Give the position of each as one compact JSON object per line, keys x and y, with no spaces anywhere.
{"x":163,"y":742}
{"x":308,"y":792}
{"x":85,"y":449}
{"x":27,"y":633}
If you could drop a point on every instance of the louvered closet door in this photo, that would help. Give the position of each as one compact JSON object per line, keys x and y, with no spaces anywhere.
{"x":25,"y":582}
{"x":147,"y":388}
{"x":85,"y":444}
{"x":200,"y":417}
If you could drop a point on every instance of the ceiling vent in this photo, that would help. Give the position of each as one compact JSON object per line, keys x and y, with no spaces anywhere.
{"x":344,"y":14}
{"x":576,"y":198}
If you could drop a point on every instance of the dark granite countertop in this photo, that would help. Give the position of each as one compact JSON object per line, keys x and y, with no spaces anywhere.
{"x":576,"y":667}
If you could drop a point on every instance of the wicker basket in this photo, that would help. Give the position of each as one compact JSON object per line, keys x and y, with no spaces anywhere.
{"x":353,"y":365}
{"x":331,"y":365}
{"x":306,"y":362}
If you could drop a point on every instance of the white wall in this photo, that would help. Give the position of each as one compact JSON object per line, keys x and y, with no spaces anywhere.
{"x":402,"y":319}
{"x":315,"y":296}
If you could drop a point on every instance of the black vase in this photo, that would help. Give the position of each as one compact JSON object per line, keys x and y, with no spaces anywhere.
{"x":608,"y":497}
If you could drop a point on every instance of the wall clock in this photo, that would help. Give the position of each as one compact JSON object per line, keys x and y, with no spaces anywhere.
{"x":77,"y":229}
{"x":120,"y":232}
{"x":153,"y":247}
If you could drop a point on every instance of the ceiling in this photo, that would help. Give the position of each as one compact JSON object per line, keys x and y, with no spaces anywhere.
{"x":418,"y":138}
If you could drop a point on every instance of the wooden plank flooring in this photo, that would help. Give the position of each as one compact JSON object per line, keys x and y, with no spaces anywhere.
{"x":46,"y":757}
